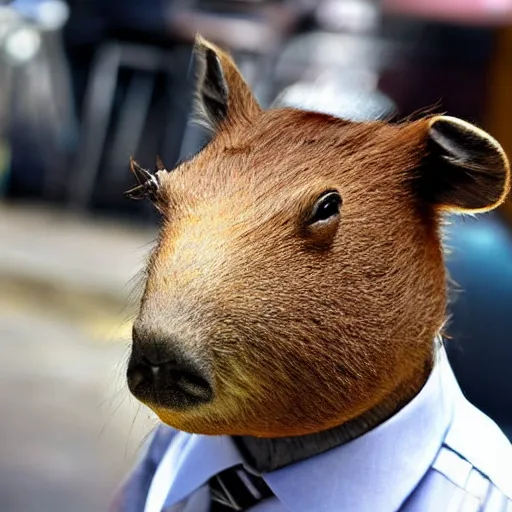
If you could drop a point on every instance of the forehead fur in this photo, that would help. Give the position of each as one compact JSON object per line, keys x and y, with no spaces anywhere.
{"x":287,"y":148}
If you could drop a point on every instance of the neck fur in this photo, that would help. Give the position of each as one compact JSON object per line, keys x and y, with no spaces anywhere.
{"x":268,"y":454}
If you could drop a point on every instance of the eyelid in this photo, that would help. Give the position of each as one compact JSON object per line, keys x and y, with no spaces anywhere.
{"x":326,"y":194}
{"x":305,"y":200}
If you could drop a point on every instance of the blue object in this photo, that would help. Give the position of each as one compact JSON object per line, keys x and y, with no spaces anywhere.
{"x":480,"y":351}
{"x":438,"y":453}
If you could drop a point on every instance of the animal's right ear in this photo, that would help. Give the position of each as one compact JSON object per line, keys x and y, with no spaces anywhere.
{"x":223,"y":98}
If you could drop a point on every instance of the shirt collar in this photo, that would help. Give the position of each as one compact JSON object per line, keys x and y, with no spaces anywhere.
{"x":190,"y":461}
{"x":357,"y":475}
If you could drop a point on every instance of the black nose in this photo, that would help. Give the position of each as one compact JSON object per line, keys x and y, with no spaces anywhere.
{"x":159,"y":375}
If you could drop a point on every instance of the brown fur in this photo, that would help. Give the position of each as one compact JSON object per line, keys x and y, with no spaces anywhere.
{"x":305,"y":327}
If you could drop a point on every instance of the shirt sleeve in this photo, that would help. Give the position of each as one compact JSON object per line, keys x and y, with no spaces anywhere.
{"x":131,"y":495}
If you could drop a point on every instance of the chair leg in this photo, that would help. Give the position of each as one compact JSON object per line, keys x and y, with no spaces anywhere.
{"x":130,"y":126}
{"x":264,"y":86}
{"x":182,"y":86}
{"x":66,"y":131}
{"x":96,"y":117}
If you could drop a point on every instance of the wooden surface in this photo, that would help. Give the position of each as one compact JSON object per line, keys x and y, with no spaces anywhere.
{"x":499,"y":100}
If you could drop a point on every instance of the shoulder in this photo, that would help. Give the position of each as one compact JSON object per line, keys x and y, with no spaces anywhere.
{"x":453,"y":483}
{"x":472,"y":470}
{"x":475,"y":445}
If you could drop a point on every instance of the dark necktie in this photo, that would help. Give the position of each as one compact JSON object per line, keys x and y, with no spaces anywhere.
{"x":237,"y":489}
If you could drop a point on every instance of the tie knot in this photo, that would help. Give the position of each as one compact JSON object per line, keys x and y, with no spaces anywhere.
{"x":237,"y":489}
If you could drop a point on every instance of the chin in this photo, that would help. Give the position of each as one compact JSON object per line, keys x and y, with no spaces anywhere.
{"x":202,"y":420}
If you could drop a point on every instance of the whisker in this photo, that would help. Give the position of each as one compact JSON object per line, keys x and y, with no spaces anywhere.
{"x":146,"y":437}
{"x":111,"y":416}
{"x":130,"y":431}
{"x":109,"y":399}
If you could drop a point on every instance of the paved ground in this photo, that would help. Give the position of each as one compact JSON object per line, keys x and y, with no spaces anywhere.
{"x":67,"y":428}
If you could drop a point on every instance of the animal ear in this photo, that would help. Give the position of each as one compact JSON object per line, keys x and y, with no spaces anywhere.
{"x":466,"y":170}
{"x":223,"y":98}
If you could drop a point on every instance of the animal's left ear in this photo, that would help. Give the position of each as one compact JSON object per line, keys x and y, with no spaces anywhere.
{"x":223,"y":98}
{"x":465,"y":170}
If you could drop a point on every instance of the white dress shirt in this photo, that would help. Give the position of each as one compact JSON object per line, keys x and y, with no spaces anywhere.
{"x":438,"y":453}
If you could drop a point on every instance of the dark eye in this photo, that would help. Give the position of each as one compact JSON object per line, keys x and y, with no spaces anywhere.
{"x":327,"y":206}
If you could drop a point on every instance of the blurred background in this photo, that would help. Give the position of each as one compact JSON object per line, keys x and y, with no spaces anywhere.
{"x":84,"y":84}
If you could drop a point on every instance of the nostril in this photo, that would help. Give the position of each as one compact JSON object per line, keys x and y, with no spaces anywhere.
{"x":140,"y":380}
{"x":193,"y":383}
{"x":167,"y":379}
{"x":135,"y":377}
{"x":193,"y":379}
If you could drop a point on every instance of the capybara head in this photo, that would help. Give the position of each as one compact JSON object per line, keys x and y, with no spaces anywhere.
{"x":298,"y":278}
